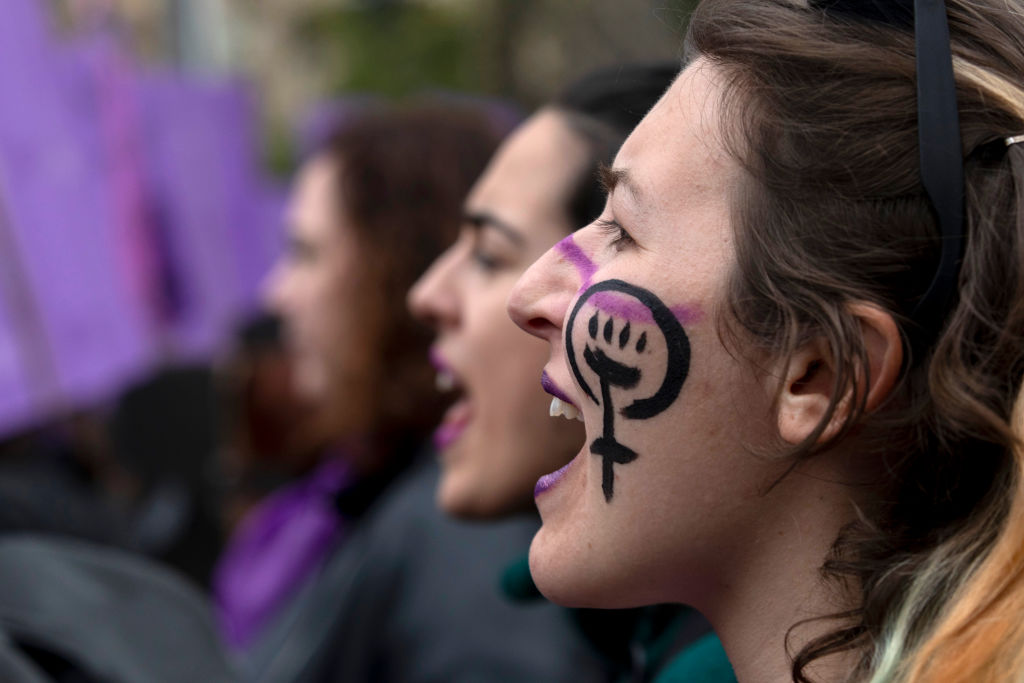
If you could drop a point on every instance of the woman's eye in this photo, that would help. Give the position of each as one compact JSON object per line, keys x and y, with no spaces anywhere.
{"x":300,"y":252}
{"x":485,"y":260}
{"x":620,"y":239}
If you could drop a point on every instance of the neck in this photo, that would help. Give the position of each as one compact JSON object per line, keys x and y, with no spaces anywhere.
{"x":775,"y":583}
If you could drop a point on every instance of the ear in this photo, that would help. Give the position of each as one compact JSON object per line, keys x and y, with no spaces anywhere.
{"x":808,"y":384}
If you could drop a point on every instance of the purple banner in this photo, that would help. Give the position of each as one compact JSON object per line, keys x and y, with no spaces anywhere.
{"x":134,"y":224}
{"x":260,"y":240}
{"x":26,"y":381}
{"x":199,"y":156}
{"x":55,"y":172}
{"x":23,"y":46}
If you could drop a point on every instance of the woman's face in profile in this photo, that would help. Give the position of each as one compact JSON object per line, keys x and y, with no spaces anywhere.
{"x":312,"y":286}
{"x":496,"y":439}
{"x":662,"y":499}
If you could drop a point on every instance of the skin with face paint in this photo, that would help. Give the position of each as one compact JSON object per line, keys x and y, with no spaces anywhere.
{"x":497,"y":438}
{"x":617,"y":307}
{"x":319,"y":270}
{"x":689,"y":515}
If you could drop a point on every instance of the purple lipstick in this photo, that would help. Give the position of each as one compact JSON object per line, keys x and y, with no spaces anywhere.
{"x":549,"y":480}
{"x":550,"y":387}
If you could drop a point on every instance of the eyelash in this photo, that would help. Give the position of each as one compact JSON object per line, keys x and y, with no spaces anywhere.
{"x":620,"y":238}
{"x":485,"y":261}
{"x":299,"y":252}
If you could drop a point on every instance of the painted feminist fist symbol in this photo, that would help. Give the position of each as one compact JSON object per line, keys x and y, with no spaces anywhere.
{"x":613,"y":372}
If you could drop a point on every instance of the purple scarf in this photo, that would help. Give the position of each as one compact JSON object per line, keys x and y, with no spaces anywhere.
{"x":279,"y":544}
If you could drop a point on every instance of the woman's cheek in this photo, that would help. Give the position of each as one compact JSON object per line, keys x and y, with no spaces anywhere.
{"x":630,"y":357}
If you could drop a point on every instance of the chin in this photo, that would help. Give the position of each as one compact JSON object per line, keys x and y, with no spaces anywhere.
{"x":472,"y":494}
{"x":447,"y":501}
{"x":457,"y":499}
{"x":558,"y":577}
{"x":573,"y":575}
{"x":310,"y":381}
{"x":558,"y":581}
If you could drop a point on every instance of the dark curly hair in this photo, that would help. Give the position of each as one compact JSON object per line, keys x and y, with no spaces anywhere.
{"x":403,"y":173}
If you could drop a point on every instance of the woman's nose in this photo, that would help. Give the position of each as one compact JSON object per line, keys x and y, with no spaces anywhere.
{"x":273,"y":288}
{"x":432,"y":298}
{"x":540,"y":299}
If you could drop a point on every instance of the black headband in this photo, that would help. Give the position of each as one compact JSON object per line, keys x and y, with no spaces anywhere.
{"x":941,"y":156}
{"x":938,"y":135}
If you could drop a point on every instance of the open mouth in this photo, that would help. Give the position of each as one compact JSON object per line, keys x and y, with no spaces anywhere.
{"x":459,"y":413}
{"x":566,"y":410}
{"x":560,"y":403}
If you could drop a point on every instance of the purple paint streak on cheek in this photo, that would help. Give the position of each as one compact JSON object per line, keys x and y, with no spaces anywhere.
{"x":628,"y":308}
{"x":571,"y":252}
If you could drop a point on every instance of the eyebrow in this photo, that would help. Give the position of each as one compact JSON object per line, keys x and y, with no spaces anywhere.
{"x":484,"y":219}
{"x":612,"y":178}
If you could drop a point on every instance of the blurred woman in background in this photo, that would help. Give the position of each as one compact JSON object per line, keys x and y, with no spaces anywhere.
{"x":368,"y":213}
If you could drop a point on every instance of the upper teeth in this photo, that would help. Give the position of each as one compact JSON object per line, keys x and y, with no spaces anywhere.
{"x":566,"y":410}
{"x":445,"y":381}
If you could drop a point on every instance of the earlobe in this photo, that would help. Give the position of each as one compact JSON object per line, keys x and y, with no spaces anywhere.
{"x":809,"y":381}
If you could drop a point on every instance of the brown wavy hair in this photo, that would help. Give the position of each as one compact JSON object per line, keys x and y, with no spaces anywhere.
{"x":403,"y":174}
{"x":820,"y":110}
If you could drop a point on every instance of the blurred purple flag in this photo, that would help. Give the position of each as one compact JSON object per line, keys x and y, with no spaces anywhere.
{"x":133,"y":221}
{"x":18,"y":406}
{"x":22,"y":396}
{"x":22,"y":46}
{"x":62,"y":230}
{"x":201,"y":167}
{"x":260,"y":239}
{"x":102,"y":82}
